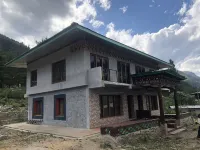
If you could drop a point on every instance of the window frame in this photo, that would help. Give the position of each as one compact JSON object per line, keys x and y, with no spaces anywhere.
{"x":121,"y":74}
{"x":32,"y":82}
{"x":42,"y":109}
{"x":60,"y":96}
{"x":139,"y":69}
{"x":105,"y":68}
{"x":115,"y":106}
{"x":154,"y":102}
{"x":53,"y":72}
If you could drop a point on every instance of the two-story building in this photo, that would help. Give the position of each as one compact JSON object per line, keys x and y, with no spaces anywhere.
{"x":79,"y":78}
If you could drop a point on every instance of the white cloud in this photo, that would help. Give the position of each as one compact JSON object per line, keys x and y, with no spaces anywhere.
{"x":124,"y":9}
{"x":153,"y":1}
{"x":158,"y":5}
{"x":96,"y":23}
{"x":165,"y":11}
{"x":28,"y":21}
{"x":106,"y":4}
{"x":179,"y":42}
{"x":183,"y":9}
{"x":150,"y":5}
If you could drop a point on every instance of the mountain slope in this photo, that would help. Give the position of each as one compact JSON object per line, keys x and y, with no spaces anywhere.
{"x":191,"y":84}
{"x":11,"y":46}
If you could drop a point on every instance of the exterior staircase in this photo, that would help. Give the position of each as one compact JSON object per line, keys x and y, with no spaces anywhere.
{"x":171,"y":123}
{"x":173,"y":128}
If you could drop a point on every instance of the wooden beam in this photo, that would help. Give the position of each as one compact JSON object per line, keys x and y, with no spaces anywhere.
{"x":176,"y":106}
{"x":161,"y":105}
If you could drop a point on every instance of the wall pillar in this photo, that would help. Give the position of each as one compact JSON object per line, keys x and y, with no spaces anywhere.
{"x":163,"y":125}
{"x":176,"y":107}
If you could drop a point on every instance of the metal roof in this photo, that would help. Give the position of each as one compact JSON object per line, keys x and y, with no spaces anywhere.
{"x":187,"y":107}
{"x":76,"y":27}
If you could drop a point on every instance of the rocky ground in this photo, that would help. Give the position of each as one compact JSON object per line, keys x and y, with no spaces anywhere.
{"x":10,"y":139}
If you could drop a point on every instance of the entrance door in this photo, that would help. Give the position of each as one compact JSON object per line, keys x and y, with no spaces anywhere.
{"x":131,"y":111}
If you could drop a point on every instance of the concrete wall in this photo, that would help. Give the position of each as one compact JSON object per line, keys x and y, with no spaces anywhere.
{"x":94,"y":105}
{"x":76,"y":71}
{"x":95,"y":77}
{"x":76,"y":108}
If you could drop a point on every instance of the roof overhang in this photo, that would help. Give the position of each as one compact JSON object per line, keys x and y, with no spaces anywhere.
{"x":72,"y":34}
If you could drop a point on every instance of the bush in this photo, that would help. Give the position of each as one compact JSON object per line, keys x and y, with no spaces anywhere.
{"x":13,"y":97}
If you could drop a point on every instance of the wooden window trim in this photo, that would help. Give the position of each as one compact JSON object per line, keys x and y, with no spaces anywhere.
{"x":32,"y":81}
{"x":95,"y":59}
{"x":60,"y":96}
{"x":41,"y":115}
{"x":139,"y":69}
{"x":154,"y":102}
{"x":114,"y":105}
{"x":53,"y":65}
{"x":120,"y":73}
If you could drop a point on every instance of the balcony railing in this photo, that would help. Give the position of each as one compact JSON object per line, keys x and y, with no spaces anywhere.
{"x":114,"y":76}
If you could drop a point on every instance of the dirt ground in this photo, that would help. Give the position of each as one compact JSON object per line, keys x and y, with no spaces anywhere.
{"x":16,"y":140}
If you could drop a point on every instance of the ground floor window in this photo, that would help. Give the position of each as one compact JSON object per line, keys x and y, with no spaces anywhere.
{"x":152,"y":102}
{"x":38,"y":108}
{"x":140,"y":102}
{"x":59,"y":107}
{"x":110,"y":105}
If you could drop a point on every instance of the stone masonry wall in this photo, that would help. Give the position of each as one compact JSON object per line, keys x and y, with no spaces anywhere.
{"x":94,"y":106}
{"x":95,"y":120}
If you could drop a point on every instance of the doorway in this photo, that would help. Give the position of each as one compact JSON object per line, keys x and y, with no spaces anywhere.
{"x":131,"y":110}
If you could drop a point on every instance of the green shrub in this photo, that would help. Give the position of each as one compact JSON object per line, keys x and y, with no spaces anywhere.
{"x":13,"y":97}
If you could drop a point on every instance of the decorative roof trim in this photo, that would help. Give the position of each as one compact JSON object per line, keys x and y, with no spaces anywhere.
{"x":168,"y":72}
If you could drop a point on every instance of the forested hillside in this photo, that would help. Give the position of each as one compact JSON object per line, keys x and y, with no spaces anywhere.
{"x":9,"y":49}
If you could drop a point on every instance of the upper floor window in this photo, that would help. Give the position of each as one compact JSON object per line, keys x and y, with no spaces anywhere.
{"x":151,"y":70}
{"x":139,"y":69}
{"x":59,"y":71}
{"x":123,"y":70}
{"x":100,"y":61}
{"x":33,"y":78}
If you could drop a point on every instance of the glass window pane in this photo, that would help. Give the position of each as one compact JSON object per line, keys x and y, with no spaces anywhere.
{"x":105,"y":106}
{"x":111,"y":106}
{"x":92,"y":61}
{"x":99,"y":61}
{"x":117,"y":105}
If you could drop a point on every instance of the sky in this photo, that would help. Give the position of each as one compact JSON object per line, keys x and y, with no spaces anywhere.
{"x":166,"y":29}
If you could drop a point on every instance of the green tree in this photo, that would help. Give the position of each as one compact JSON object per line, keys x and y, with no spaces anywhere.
{"x":42,"y":40}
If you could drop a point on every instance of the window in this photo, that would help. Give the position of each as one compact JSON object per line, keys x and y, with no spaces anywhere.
{"x":38,"y":108}
{"x":139,"y":69}
{"x":140,"y":102}
{"x":152,"y":102}
{"x":100,"y":61}
{"x":59,"y":71}
{"x":59,"y":107}
{"x":33,"y":78}
{"x":123,"y":70}
{"x":110,"y":106}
